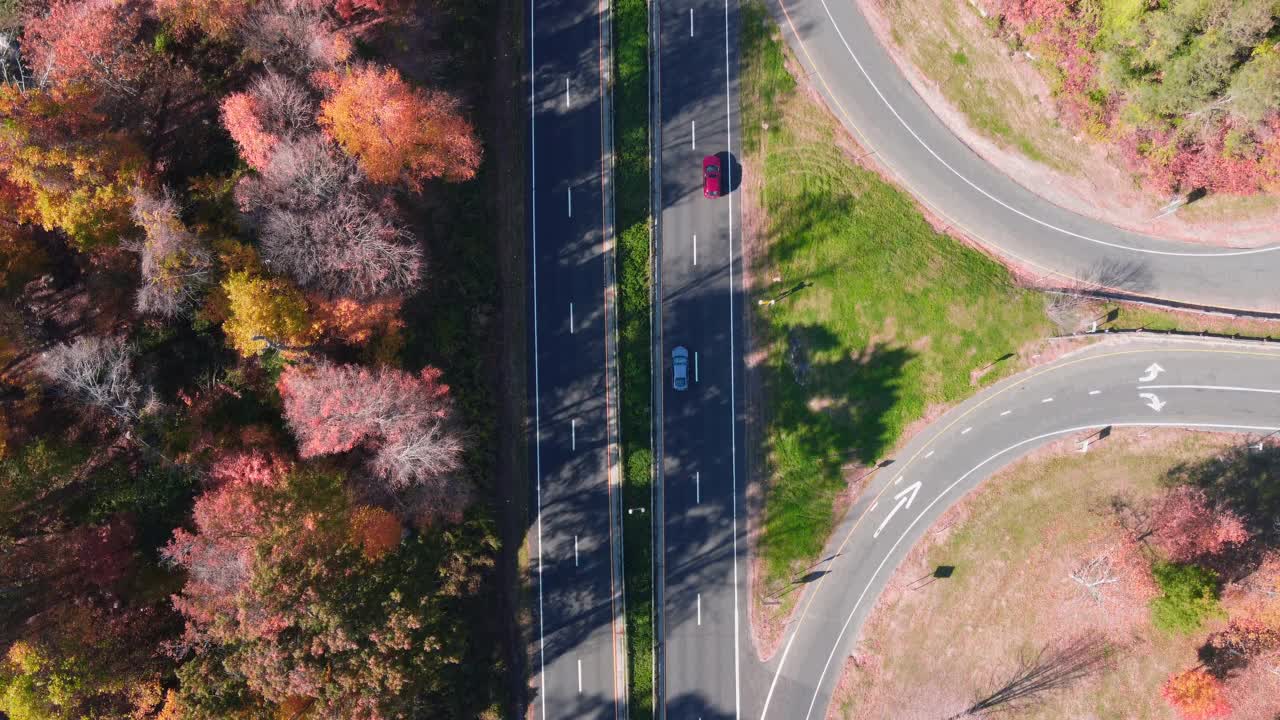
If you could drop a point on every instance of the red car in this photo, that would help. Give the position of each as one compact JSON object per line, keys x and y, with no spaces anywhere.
{"x":710,"y":177}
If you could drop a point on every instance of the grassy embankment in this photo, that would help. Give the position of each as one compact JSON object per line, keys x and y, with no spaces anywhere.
{"x":952,"y":45}
{"x":882,"y":318}
{"x":631,"y":113}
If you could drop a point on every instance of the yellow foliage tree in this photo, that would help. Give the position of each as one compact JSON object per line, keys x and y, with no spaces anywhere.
{"x":264,"y":312}
{"x":74,"y":172}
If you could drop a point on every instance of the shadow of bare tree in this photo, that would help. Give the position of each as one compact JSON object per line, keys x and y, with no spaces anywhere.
{"x":1054,"y":667}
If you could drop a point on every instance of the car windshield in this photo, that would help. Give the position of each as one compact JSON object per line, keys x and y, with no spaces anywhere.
{"x":712,"y":169}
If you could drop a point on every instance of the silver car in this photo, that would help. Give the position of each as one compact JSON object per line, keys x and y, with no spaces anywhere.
{"x":680,"y":368}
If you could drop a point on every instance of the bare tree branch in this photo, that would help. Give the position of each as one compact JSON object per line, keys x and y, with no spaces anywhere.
{"x":1093,"y":574}
{"x":96,"y":371}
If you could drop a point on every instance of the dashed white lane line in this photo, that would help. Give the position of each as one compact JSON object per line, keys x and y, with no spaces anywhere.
{"x":697,"y":487}
{"x":929,"y":455}
{"x":566,"y":91}
{"x":1006,"y":412}
{"x":1228,"y":388}
{"x":965,"y":431}
{"x":695,"y":366}
{"x":699,"y":608}
{"x":1095,"y":392}
{"x":873,"y":507}
{"x":575,"y":551}
{"x":579,"y":676}
{"x":1047,"y":400}
{"x":693,"y":134}
{"x":695,"y":249}
{"x":897,"y":480}
{"x":690,"y":22}
{"x":573,"y":434}
{"x":570,"y":318}
{"x":570,"y":195}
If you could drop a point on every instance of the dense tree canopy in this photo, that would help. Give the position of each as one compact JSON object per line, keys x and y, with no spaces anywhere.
{"x":191,"y":267}
{"x":1189,"y":89}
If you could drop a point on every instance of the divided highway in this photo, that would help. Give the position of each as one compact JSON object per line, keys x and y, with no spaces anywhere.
{"x":868,"y":93}
{"x":704,"y":641}
{"x":580,"y":648}
{"x":1208,"y":385}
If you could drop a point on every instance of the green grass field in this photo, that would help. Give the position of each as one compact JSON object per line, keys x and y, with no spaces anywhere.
{"x":880,"y":317}
{"x":631,"y":112}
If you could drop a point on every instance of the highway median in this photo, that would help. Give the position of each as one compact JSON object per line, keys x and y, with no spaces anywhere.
{"x":631,"y":112}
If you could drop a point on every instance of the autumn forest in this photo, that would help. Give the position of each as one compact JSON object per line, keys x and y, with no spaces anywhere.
{"x":246,"y":335}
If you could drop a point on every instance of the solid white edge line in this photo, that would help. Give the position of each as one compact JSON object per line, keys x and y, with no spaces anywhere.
{"x":537,"y":400}
{"x":1000,"y":202}
{"x":949,"y":488}
{"x":1228,"y":388}
{"x":733,"y":426}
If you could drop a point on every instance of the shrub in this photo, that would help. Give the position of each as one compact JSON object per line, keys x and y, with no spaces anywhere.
{"x":1189,"y":597}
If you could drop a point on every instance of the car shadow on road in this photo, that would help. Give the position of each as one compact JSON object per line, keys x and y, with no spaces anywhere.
{"x":730,"y":170}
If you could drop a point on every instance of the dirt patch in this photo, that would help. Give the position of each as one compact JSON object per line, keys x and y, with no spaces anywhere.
{"x":1094,"y":183}
{"x":945,"y":641}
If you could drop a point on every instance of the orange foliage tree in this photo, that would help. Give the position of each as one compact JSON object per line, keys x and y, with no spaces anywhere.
{"x":1196,"y":694}
{"x":375,"y":530}
{"x":397,"y":131}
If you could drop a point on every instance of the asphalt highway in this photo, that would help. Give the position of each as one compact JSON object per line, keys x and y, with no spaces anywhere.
{"x":1208,"y":385}
{"x":578,"y":661}
{"x":865,"y":89}
{"x":703,"y":632}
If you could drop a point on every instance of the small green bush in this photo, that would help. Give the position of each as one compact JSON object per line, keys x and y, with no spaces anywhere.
{"x":1190,"y":596}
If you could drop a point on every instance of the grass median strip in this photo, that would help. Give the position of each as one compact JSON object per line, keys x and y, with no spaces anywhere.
{"x":631,"y":108}
{"x":867,"y":317}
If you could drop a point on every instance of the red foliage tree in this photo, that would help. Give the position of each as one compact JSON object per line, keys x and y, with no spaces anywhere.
{"x":90,"y":41}
{"x":229,"y":520}
{"x":1196,"y":694}
{"x":397,"y":131}
{"x":402,"y":418}
{"x":274,"y":107}
{"x":1188,"y":526}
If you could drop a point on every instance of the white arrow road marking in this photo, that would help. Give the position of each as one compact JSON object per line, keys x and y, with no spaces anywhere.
{"x":1154,"y":402}
{"x":904,"y":500}
{"x":1153,"y":370}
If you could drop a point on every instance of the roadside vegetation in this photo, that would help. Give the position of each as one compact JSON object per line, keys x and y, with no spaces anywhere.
{"x":247,"y":406}
{"x":1147,"y":566}
{"x":1186,"y":94}
{"x":632,"y":216}
{"x":951,"y":45}
{"x":871,"y":317}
